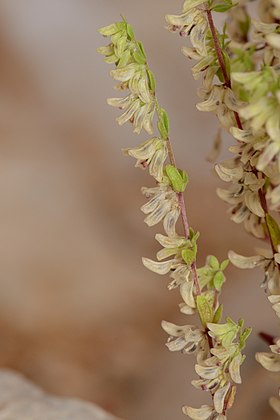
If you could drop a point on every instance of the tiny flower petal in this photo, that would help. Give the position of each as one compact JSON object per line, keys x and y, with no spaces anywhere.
{"x":202,"y":413}
{"x":157,"y":267}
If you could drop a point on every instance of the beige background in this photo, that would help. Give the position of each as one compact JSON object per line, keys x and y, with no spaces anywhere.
{"x":79,"y":314}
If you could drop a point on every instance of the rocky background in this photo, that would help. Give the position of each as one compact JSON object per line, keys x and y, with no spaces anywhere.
{"x":79,"y":314}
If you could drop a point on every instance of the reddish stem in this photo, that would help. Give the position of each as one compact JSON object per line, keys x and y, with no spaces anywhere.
{"x":184,"y":217}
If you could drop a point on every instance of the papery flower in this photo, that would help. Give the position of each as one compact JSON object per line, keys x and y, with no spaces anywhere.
{"x":267,"y":261}
{"x":222,"y":101}
{"x":267,"y":34}
{"x":179,"y":275}
{"x":187,"y":290}
{"x":139,"y":105}
{"x":264,"y":113}
{"x":187,"y":338}
{"x":139,"y":113}
{"x":242,"y":195}
{"x":275,"y":300}
{"x":270,"y":361}
{"x":205,"y":412}
{"x":191,"y":22}
{"x":162,"y":205}
{"x":152,"y":154}
{"x":257,"y":83}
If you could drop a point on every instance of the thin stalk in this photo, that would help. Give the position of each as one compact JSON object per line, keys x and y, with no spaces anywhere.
{"x":182,"y":205}
{"x":227,"y":82}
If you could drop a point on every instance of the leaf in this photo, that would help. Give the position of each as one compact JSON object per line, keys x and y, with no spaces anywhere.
{"x":218,"y":314}
{"x":141,"y":49}
{"x":163,"y":123}
{"x":152,"y":81}
{"x":224,"y":265}
{"x":139,"y":58}
{"x":130,"y":31}
{"x":177,"y":178}
{"x":189,"y":256}
{"x":223,"y":6}
{"x":213,"y":262}
{"x":243,"y":337}
{"x":204,"y":309}
{"x":219,"y":280}
{"x":274,"y":230}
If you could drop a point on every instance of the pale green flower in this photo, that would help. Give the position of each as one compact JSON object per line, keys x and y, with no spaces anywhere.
{"x":257,"y":83}
{"x":162,"y":205}
{"x":192,"y":19}
{"x":275,"y":300}
{"x":152,"y":154}
{"x":180,"y":275}
{"x":222,"y":101}
{"x":242,"y":195}
{"x":270,"y":361}
{"x":205,"y":412}
{"x":187,"y":339}
{"x":267,"y":261}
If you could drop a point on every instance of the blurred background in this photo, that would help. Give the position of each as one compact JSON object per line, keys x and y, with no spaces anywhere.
{"x":79,"y":314}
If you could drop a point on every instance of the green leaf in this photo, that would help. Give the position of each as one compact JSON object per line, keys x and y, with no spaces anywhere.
{"x":224,"y":265}
{"x":189,"y":255}
{"x":177,"y":178}
{"x":274,"y":230}
{"x":214,"y":263}
{"x":219,"y":280}
{"x":243,"y":337}
{"x":130,"y":31}
{"x":141,"y":48}
{"x":218,"y":314}
{"x":204,"y":310}
{"x":163,"y":123}
{"x":152,"y":81}
{"x":223,"y":6}
{"x":139,"y":58}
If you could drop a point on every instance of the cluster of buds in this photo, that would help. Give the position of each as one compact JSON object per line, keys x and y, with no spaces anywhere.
{"x":199,"y":287}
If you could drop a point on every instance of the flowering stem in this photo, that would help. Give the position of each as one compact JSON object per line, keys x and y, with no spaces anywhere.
{"x":221,"y":60}
{"x":182,"y":205}
{"x":227,"y":83}
{"x":218,"y":48}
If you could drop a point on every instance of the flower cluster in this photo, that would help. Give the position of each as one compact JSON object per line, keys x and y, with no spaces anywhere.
{"x":241,"y":85}
{"x":199,"y":287}
{"x":221,"y":371}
